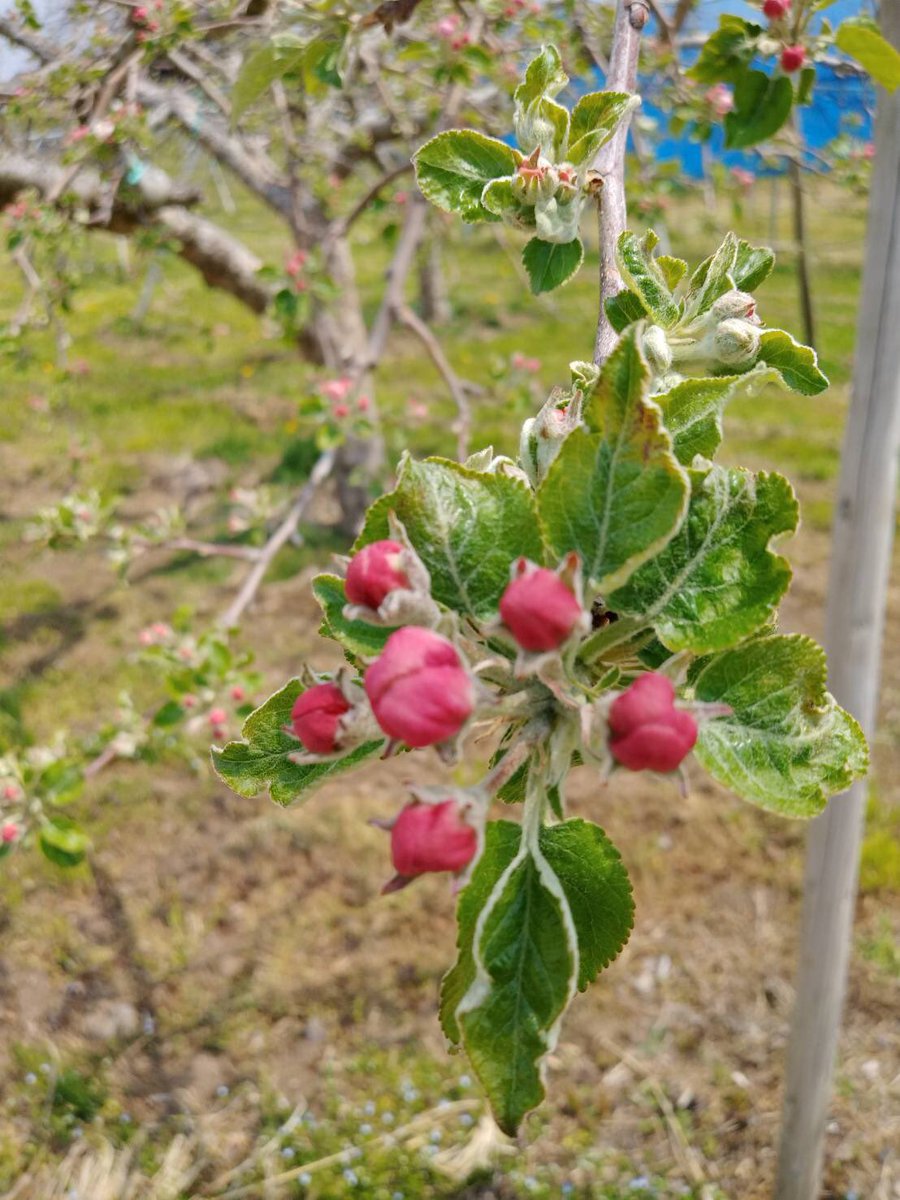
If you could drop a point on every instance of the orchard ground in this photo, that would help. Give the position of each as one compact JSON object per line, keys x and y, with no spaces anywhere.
{"x":257,"y":996}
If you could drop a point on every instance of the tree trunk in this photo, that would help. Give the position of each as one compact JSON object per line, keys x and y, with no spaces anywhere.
{"x":860,"y":567}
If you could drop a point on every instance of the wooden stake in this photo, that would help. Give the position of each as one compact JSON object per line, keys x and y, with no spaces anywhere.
{"x":861,"y":559}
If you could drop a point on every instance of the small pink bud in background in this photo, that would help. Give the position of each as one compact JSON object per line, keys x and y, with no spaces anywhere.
{"x":418,"y":409}
{"x":459,"y":43}
{"x":375,"y":572}
{"x":217,"y":716}
{"x":720,"y":99}
{"x":776,"y":10}
{"x":188,"y":701}
{"x":522,"y":362}
{"x":10,"y":832}
{"x":146,"y":638}
{"x":869,"y":150}
{"x":237,"y":693}
{"x":11,"y":792}
{"x":647,"y":731}
{"x":447,"y":26}
{"x":364,"y":404}
{"x":316,"y":717}
{"x":139,"y":14}
{"x":341,"y":411}
{"x":336,"y":389}
{"x":401,"y":197}
{"x":160,"y":629}
{"x":419,"y":689}
{"x":745,"y":178}
{"x":431,"y":837}
{"x":792,"y":58}
{"x":538,"y":609}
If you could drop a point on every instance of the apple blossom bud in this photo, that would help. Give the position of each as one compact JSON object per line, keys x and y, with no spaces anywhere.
{"x":656,"y":349}
{"x":431,"y":837}
{"x":316,"y":717}
{"x":776,"y":10}
{"x":734,"y":304}
{"x":538,"y":609}
{"x":237,"y":693}
{"x":420,"y":691}
{"x":11,"y":792}
{"x":542,"y":436}
{"x":188,"y":701}
{"x":10,"y":831}
{"x":736,"y":342}
{"x":647,"y":731}
{"x":217,"y":716}
{"x":375,"y":572}
{"x":792,"y":58}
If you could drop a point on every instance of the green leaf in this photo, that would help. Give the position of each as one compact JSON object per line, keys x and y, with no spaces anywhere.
{"x":453,"y":168}
{"x":551,"y":264}
{"x":692,"y":410}
{"x":544,"y":76}
{"x":261,"y":69}
{"x":501,"y":841}
{"x":872,"y":51}
{"x":500,"y":199}
{"x":320,"y":62}
{"x":712,"y":279}
{"x":797,"y":364}
{"x":525,"y":970}
{"x":716,"y":581}
{"x":598,"y":890}
{"x":595,"y":118}
{"x":359,"y":637}
{"x":727,"y":52}
{"x":624,"y":308}
{"x":762,"y":104}
{"x":546,"y":922}
{"x":643,"y":275}
{"x":673,"y":269}
{"x":787,"y":745}
{"x":466,"y":526}
{"x":63,"y":843}
{"x":752,"y":266}
{"x":263,"y":759}
{"x":615,"y":492}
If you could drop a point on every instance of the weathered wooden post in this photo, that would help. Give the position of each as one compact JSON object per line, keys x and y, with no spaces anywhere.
{"x":861,"y":558}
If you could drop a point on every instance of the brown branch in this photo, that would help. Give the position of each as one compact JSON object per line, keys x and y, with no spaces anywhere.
{"x":342,"y":225}
{"x":250,"y":586}
{"x":390,"y":13}
{"x":631,"y":16}
{"x":455,"y":386}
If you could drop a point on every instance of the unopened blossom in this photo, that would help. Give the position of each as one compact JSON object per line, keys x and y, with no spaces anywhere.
{"x":720,"y":99}
{"x":374,"y":572}
{"x":316,"y":718}
{"x":431,"y":837}
{"x":792,"y":58}
{"x":538,"y":608}
{"x":647,"y":731}
{"x":9,"y":832}
{"x":420,"y":691}
{"x":776,"y":10}
{"x":336,"y":389}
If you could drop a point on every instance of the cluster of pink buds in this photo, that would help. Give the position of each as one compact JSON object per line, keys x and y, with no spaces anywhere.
{"x":143,"y":21}
{"x":156,"y":634}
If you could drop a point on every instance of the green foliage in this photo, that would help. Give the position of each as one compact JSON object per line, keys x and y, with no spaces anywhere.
{"x":787,"y":745}
{"x":871,"y":50}
{"x":265,"y":759}
{"x":551,"y":265}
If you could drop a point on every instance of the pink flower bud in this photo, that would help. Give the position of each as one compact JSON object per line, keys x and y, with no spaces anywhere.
{"x":217,"y":716}
{"x":336,"y":389}
{"x":341,"y":411}
{"x":431,"y":837}
{"x":11,"y":792}
{"x":419,"y":690}
{"x":537,"y":608}
{"x":139,"y":14}
{"x":776,"y":10}
{"x":720,"y":99}
{"x":364,"y":404}
{"x":792,"y":58}
{"x":648,"y":733}
{"x":374,"y":573}
{"x":188,"y":701}
{"x":10,"y":832}
{"x":316,"y":717}
{"x":237,"y":693}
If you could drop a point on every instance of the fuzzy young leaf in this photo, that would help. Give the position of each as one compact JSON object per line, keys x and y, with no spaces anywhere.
{"x":499,"y":198}
{"x":615,"y":493}
{"x":623,"y":309}
{"x":752,"y":266}
{"x":263,"y":759}
{"x":643,"y":275}
{"x":871,"y":50}
{"x":544,"y":76}
{"x":716,"y":581}
{"x":63,"y":843}
{"x":595,"y":118}
{"x":360,"y":638}
{"x":692,"y":409}
{"x":787,"y":746}
{"x":466,"y":526}
{"x":762,"y":104}
{"x":453,"y":168}
{"x":712,"y":279}
{"x":551,"y":264}
{"x":261,"y":69}
{"x":797,"y":364}
{"x":673,"y":269}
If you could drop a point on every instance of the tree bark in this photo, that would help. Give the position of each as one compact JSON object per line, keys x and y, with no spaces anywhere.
{"x":860,"y":567}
